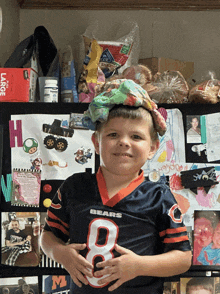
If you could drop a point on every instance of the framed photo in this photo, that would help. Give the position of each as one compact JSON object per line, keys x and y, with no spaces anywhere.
{"x":17,"y":285}
{"x":20,"y":238}
{"x":200,"y":285}
{"x":206,"y":235}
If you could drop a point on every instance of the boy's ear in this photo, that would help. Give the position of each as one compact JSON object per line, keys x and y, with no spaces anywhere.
{"x":95,"y":142}
{"x":154,"y":147}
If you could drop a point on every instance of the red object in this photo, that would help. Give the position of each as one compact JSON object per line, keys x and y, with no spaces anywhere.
{"x":175,"y":182}
{"x":17,"y":85}
{"x":47,"y":188}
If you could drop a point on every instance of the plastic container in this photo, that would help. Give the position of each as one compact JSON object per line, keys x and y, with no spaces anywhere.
{"x":67,"y":96}
{"x":51,"y":90}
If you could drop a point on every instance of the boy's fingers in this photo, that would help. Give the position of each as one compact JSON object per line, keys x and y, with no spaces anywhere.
{"x":108,"y":279}
{"x":121,"y":249}
{"x":105,"y":271}
{"x":109,"y":262}
{"x":78,"y":246}
{"x":85,"y":263}
{"x":76,"y":281}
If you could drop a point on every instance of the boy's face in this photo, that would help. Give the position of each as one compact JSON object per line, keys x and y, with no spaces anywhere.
{"x":203,"y":233}
{"x":124,"y":145}
{"x":216,"y":238}
{"x":199,"y":291}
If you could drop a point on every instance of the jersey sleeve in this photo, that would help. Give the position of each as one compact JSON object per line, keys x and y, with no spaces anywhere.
{"x":173,"y":232}
{"x":57,"y":220}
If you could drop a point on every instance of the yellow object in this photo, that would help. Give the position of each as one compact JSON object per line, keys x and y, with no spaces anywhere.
{"x":92,"y":67}
{"x":47,"y":202}
{"x":163,"y":156}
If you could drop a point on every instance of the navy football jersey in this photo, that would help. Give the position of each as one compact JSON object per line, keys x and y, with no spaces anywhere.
{"x":144,"y":217}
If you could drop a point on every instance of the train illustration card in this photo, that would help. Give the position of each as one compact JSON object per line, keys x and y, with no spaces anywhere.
{"x":51,"y":144}
{"x":26,"y":187}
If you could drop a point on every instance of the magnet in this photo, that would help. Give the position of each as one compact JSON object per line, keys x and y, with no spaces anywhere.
{"x":154,"y":176}
{"x":47,"y":188}
{"x":47,"y":202}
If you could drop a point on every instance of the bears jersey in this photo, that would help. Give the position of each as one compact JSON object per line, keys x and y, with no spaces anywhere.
{"x":144,"y":217}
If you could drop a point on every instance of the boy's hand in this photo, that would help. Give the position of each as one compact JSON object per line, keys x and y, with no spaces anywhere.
{"x":122,"y":268}
{"x":76,"y":264}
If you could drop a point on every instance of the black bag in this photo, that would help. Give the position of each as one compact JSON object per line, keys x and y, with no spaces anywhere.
{"x":40,"y":46}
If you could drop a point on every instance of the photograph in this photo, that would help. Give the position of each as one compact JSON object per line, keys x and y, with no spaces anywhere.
{"x":20,"y":238}
{"x":193,"y":129}
{"x":206,"y":246}
{"x":19,"y":285}
{"x":200,"y":285}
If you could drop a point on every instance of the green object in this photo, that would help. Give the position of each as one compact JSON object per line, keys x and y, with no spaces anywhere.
{"x":203,"y":129}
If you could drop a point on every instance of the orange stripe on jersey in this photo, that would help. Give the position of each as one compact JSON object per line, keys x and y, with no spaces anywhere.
{"x":55,"y":206}
{"x":172,"y":231}
{"x":59,"y":194}
{"x":53,"y":216}
{"x":57,"y":226}
{"x":121,"y":194}
{"x":175,"y":240}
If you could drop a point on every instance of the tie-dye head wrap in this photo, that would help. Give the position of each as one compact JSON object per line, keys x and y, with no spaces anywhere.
{"x":125,"y":92}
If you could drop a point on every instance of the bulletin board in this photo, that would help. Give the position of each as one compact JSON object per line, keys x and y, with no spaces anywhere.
{"x":43,"y":144}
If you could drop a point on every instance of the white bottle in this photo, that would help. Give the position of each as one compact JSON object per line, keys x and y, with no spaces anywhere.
{"x":51,"y":91}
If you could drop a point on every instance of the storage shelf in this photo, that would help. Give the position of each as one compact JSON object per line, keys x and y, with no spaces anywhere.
{"x":190,"y":5}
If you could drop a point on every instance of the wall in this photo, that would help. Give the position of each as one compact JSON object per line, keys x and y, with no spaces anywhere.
{"x":9,"y":37}
{"x":184,"y":35}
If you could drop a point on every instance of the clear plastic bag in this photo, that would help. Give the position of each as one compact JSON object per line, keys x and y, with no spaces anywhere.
{"x":207,"y":91}
{"x":117,"y":55}
{"x":168,"y":87}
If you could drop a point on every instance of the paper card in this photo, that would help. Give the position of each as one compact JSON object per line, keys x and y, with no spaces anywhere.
{"x":212,"y":122}
{"x":56,"y":284}
{"x":199,"y":199}
{"x":172,"y":144}
{"x":26,"y":187}
{"x":51,"y":145}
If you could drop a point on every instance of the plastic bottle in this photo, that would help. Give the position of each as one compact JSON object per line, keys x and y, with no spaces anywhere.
{"x":51,"y":91}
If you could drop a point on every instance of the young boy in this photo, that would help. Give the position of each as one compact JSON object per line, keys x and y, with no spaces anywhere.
{"x":125,"y":233}
{"x":200,"y":286}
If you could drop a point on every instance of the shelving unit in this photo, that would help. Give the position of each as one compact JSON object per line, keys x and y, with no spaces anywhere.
{"x":187,"y":5}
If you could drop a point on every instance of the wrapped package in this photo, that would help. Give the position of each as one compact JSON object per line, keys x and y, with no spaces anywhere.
{"x":168,"y":87}
{"x":140,"y":74}
{"x":206,"y":92}
{"x":112,"y":56}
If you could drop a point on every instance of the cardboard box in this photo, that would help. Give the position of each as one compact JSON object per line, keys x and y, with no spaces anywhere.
{"x":18,"y":85}
{"x":161,"y":64}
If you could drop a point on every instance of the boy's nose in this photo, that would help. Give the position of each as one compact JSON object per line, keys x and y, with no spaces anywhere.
{"x":123,"y":142}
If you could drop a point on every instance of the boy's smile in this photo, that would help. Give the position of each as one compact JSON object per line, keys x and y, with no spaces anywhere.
{"x":124,"y":145}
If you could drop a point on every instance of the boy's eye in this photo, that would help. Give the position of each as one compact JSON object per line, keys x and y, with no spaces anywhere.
{"x":136,"y":137}
{"x":112,"y":135}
